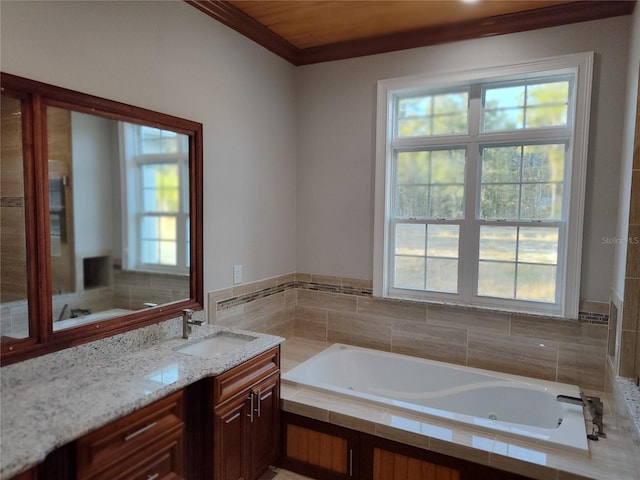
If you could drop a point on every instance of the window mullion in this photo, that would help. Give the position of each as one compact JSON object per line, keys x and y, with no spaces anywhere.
{"x":469,"y":231}
{"x":475,"y":110}
{"x":533,"y":135}
{"x":426,"y":142}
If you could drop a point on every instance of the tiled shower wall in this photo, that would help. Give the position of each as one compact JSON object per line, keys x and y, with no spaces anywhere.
{"x":334,"y":309}
{"x":630,"y":332}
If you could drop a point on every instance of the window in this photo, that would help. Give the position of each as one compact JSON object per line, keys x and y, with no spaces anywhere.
{"x":155,"y":179}
{"x":480,"y":181}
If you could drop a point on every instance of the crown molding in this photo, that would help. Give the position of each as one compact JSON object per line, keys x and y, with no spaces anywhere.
{"x":242,"y":23}
{"x":563,"y":14}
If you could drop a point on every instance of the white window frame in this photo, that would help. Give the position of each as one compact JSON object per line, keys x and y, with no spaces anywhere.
{"x":570,"y":250}
{"x":131,"y":161}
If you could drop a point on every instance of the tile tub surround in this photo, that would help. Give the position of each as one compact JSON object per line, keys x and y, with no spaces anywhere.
{"x":336,"y":309}
{"x":51,"y":400}
{"x":612,"y":458}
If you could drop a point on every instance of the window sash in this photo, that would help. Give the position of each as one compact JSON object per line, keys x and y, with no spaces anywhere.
{"x":133,"y":161}
{"x":569,"y":226}
{"x":181,"y":239}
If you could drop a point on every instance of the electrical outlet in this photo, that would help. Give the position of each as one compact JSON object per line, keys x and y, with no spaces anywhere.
{"x":237,"y":274}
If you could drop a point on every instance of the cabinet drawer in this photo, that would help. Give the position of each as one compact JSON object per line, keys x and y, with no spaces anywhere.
{"x":126,"y":436}
{"x":160,"y":461}
{"x":242,"y":377}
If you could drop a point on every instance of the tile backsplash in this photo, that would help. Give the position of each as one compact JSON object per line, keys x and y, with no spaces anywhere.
{"x":335,"y":309}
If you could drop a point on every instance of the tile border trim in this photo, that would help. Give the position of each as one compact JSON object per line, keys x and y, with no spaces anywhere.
{"x":339,"y":287}
{"x":267,"y":292}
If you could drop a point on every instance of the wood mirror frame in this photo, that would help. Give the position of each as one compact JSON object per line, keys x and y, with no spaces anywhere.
{"x":35,"y":97}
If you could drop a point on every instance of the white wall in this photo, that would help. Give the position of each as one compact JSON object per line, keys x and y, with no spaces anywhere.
{"x":336,"y":113}
{"x":92,"y":190}
{"x":170,"y":57}
{"x":289,"y":153}
{"x":631,"y":91}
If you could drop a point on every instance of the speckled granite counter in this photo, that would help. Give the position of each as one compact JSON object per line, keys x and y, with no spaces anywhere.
{"x":631,"y":395}
{"x":51,"y":400}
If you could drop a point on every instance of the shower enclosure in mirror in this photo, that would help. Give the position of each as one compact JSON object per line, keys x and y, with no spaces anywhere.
{"x":101,"y":217}
{"x":13,"y":261}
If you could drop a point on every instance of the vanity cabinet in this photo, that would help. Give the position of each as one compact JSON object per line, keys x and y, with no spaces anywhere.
{"x":246,"y":418}
{"x":146,"y":444}
{"x":28,"y":475}
{"x":218,"y":428}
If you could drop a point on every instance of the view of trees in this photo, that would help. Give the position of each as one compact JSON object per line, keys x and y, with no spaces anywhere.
{"x":522,"y":182}
{"x":518,"y":182}
{"x":534,"y":105}
{"x":439,"y":114}
{"x":430,"y":184}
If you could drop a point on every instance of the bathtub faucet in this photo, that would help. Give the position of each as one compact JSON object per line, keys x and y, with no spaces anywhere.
{"x":593,"y":404}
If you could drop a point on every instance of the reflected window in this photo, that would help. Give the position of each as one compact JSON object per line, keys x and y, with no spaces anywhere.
{"x":86,"y":253}
{"x":155,"y":174}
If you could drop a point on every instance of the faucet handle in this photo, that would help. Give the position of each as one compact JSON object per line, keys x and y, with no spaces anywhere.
{"x":187,"y":315}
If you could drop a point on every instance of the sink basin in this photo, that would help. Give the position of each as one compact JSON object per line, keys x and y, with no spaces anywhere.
{"x":222,"y":343}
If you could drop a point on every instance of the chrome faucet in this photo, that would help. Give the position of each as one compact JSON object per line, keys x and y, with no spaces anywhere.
{"x":187,"y":321}
{"x":594,"y":406}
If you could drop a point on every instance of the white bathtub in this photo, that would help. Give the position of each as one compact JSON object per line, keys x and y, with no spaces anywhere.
{"x":511,"y":405}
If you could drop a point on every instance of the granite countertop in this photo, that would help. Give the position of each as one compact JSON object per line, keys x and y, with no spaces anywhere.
{"x":51,"y":400}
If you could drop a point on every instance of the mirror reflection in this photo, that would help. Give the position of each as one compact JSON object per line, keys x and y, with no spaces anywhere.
{"x":118,"y":217}
{"x":13,"y":261}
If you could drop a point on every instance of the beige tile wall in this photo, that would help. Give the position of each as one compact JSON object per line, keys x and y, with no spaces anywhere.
{"x":266,"y":306}
{"x":133,"y":289}
{"x":629,"y":355}
{"x":333,"y":309}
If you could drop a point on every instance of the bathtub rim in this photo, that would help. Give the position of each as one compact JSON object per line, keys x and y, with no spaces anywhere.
{"x":573,"y":415}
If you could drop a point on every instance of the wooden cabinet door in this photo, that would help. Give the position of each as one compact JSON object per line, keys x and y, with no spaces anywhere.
{"x":394,"y":466}
{"x":265,"y":428}
{"x":230,"y":429}
{"x":319,"y":450}
{"x":28,"y":475}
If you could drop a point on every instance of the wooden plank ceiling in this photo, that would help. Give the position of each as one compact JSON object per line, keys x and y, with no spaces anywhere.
{"x":307,"y":24}
{"x":310,"y":31}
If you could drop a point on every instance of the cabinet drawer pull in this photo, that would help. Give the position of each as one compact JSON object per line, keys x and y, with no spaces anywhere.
{"x":133,"y":435}
{"x":351,"y":462}
{"x":153,"y":477}
{"x":251,"y":407}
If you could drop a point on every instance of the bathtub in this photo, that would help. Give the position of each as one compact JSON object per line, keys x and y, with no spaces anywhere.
{"x":509,"y":405}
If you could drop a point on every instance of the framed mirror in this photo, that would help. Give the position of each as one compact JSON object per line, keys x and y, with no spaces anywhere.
{"x":101,"y":217}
